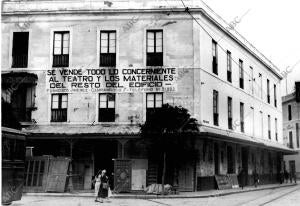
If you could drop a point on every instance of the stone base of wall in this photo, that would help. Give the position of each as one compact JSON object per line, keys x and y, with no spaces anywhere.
{"x":206,"y":183}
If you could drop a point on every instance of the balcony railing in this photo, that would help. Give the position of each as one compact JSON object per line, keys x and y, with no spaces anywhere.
{"x":107,"y":115}
{"x":19,"y":61}
{"x":155,"y":59}
{"x":216,"y":119}
{"x":229,"y":123}
{"x":215,"y":65}
{"x":242,"y":83}
{"x":229,"y":76}
{"x":108,"y":60}
{"x":58,"y":115}
{"x":61,"y":60}
{"x":242,"y":126}
{"x":23,"y":114}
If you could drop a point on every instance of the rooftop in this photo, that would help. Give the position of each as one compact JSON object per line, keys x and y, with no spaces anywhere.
{"x":31,"y":7}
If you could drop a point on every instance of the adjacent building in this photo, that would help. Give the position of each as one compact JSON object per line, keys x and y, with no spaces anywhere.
{"x":90,"y":72}
{"x":291,"y":129}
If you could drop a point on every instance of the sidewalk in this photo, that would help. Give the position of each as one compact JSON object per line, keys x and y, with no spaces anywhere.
{"x":198,"y":194}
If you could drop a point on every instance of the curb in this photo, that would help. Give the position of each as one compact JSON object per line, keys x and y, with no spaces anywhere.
{"x":143,"y":196}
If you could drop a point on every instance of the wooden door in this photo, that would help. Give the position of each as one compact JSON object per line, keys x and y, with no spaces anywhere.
{"x":57,"y":175}
{"x":185,"y":179}
{"x":36,"y":173}
{"x":122,"y":175}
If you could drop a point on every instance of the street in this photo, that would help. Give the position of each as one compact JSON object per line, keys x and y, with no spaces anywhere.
{"x":287,"y":196}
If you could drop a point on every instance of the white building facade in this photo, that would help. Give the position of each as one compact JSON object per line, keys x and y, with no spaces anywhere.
{"x":229,"y":87}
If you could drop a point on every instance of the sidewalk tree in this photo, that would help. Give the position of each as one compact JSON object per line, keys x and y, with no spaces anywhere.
{"x":166,"y":130}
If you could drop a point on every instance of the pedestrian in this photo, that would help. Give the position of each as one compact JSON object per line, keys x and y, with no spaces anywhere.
{"x":281,"y":176}
{"x":104,"y":186}
{"x":242,"y":177}
{"x":97,"y":184}
{"x":286,"y":176}
{"x":256,"y":178}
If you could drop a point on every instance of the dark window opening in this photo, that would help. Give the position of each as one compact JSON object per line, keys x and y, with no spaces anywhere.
{"x":229,"y":112}
{"x":23,"y":102}
{"x":59,"y":107}
{"x":107,"y":48}
{"x":154,"y":102}
{"x":268,"y":91}
{"x":107,"y":105}
{"x":242,"y":117}
{"x":154,"y":48}
{"x":61,"y":48}
{"x":289,"y":112}
{"x":229,"y":66}
{"x":241,"y":74}
{"x":297,"y":135}
{"x":215,"y":57}
{"x":216,"y":107}
{"x":291,"y":140}
{"x":20,"y":50}
{"x":275,"y":96}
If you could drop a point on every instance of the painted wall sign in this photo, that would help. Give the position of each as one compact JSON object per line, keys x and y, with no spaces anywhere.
{"x":67,"y":80}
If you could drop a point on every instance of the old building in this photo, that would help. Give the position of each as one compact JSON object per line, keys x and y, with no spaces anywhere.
{"x":95,"y":70}
{"x":291,"y":128}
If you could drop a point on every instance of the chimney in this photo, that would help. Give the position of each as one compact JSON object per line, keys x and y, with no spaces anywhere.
{"x":297,"y":87}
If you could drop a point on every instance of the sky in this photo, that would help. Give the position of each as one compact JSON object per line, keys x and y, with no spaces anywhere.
{"x":273,"y":27}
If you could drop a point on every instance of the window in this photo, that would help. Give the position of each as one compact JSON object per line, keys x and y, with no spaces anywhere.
{"x":268,"y":91}
{"x":289,"y":112}
{"x":261,"y":124}
{"x":275,"y":96}
{"x":269,"y":126}
{"x":252,"y":120}
{"x":242,"y":117}
{"x":297,"y":135}
{"x":59,"y":106}
{"x":20,"y":50}
{"x":260,"y":88}
{"x":276,"y":129}
{"x":291,"y":140}
{"x":251,"y":81}
{"x":154,"y":48}
{"x":241,"y":72}
{"x":154,"y":103}
{"x":61,"y":49}
{"x":229,"y":66}
{"x":107,"y":107}
{"x":107,"y":48}
{"x":229,"y":112}
{"x":216,"y":107}
{"x":215,"y":57}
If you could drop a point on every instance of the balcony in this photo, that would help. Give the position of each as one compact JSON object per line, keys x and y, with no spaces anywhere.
{"x":216,"y":119}
{"x":155,"y":59}
{"x":215,"y":65}
{"x":61,"y":60}
{"x":242,"y":83}
{"x":107,"y":115}
{"x":20,"y":61}
{"x":58,"y":115}
{"x":229,"y":76}
{"x":229,"y":123}
{"x":108,"y":60}
{"x":242,"y":126}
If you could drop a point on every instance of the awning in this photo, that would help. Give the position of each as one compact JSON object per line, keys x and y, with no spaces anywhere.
{"x":82,"y":131}
{"x":18,"y":78}
{"x":231,"y":136}
{"x":12,"y":133}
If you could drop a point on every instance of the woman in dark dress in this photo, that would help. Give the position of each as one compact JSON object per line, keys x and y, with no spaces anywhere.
{"x":104,"y":185}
